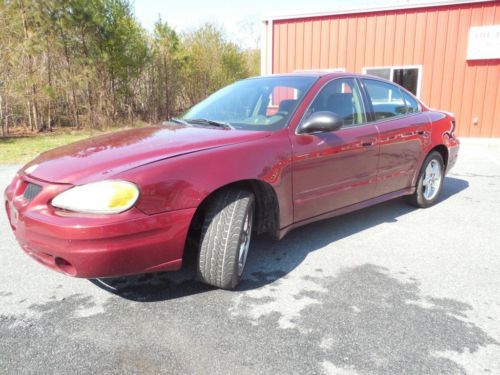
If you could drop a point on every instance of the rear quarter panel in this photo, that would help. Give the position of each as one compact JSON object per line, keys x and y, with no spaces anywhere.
{"x":440,"y":134}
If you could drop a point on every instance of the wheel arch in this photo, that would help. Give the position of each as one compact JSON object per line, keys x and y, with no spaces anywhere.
{"x":266,"y":205}
{"x":443,"y":150}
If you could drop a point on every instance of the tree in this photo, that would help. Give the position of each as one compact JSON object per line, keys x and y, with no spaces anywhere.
{"x":167,"y":59}
{"x":88,"y":63}
{"x":212,"y":62}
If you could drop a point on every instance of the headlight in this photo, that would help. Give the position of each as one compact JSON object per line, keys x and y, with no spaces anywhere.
{"x":104,"y":197}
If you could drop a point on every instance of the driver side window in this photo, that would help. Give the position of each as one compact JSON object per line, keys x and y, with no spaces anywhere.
{"x":343,"y":97}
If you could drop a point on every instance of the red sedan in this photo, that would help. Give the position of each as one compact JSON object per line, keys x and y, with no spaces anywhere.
{"x":265,"y":154}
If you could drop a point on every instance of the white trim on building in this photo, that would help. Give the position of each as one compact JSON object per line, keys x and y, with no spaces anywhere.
{"x":369,"y":9}
{"x":266,"y":48}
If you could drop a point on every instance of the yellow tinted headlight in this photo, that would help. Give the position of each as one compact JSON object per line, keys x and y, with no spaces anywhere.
{"x":103,"y":197}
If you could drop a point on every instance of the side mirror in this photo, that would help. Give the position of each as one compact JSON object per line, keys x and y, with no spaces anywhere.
{"x":321,"y":122}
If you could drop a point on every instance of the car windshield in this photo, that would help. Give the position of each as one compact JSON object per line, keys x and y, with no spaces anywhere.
{"x":264,"y":103}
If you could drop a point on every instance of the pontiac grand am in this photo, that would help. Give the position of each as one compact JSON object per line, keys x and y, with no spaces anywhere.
{"x":265,"y":154}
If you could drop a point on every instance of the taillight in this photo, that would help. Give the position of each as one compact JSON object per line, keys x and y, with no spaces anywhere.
{"x":453,"y":125}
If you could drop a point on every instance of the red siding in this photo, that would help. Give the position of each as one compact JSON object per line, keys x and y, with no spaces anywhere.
{"x":435,"y":38}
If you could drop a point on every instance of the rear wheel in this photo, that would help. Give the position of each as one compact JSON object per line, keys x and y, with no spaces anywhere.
{"x":430,"y":181}
{"x":225,"y":238}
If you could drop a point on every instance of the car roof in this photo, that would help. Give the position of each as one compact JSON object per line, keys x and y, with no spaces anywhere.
{"x":319,"y":74}
{"x":334,"y":74}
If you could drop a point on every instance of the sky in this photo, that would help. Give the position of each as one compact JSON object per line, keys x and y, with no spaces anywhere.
{"x":240,"y":19}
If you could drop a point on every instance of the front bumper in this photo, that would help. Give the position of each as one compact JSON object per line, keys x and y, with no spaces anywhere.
{"x":92,"y":246}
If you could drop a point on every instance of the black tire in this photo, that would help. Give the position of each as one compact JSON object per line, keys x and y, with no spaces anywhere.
{"x":419,"y":199}
{"x":221,"y":236}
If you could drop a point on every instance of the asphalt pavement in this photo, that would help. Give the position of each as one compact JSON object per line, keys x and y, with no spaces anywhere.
{"x":387,"y":290}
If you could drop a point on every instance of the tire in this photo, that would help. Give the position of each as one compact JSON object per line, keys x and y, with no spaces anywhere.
{"x":225,"y":238}
{"x":430,"y":181}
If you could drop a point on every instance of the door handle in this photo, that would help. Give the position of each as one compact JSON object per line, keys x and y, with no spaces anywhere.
{"x":368,"y":143}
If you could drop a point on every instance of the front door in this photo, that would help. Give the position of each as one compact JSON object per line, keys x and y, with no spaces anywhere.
{"x":335,"y":169}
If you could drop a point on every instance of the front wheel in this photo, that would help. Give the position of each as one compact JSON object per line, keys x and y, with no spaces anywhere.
{"x":430,"y":181}
{"x":225,"y":238}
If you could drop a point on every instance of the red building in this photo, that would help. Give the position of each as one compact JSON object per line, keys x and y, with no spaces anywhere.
{"x":447,"y":53}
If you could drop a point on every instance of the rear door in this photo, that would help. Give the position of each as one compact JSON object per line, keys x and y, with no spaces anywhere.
{"x":404,"y":133}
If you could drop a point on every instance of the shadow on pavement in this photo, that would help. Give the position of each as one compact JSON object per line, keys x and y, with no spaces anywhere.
{"x":278,"y":258}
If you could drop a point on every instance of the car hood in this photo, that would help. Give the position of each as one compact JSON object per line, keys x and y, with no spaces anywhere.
{"x":106,"y":155}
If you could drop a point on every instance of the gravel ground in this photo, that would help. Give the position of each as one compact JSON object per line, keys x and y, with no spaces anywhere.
{"x":386,"y":290}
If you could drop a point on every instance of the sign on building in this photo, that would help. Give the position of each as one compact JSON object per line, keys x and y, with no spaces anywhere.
{"x":484,"y":43}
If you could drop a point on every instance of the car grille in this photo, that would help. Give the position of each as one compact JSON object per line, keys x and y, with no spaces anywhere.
{"x":31,"y":191}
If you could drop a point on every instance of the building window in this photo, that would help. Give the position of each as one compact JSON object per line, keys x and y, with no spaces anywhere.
{"x":407,"y":76}
{"x":379,"y":72}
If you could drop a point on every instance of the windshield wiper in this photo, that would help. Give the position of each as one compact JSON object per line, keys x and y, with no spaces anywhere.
{"x":204,"y":121}
{"x":179,"y":121}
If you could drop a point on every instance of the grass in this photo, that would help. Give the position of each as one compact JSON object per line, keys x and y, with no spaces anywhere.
{"x":22,"y":149}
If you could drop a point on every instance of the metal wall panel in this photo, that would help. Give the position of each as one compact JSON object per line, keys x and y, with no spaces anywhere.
{"x":435,"y":38}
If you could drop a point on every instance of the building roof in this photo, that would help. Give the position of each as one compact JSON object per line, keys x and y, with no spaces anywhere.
{"x":369,"y":9}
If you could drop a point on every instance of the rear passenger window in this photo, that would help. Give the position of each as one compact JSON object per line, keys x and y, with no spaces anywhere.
{"x":386,"y":99}
{"x":411,"y":102}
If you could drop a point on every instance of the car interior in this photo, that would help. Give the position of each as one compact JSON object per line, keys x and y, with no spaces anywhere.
{"x":286,"y":106}
{"x":341,"y":98}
